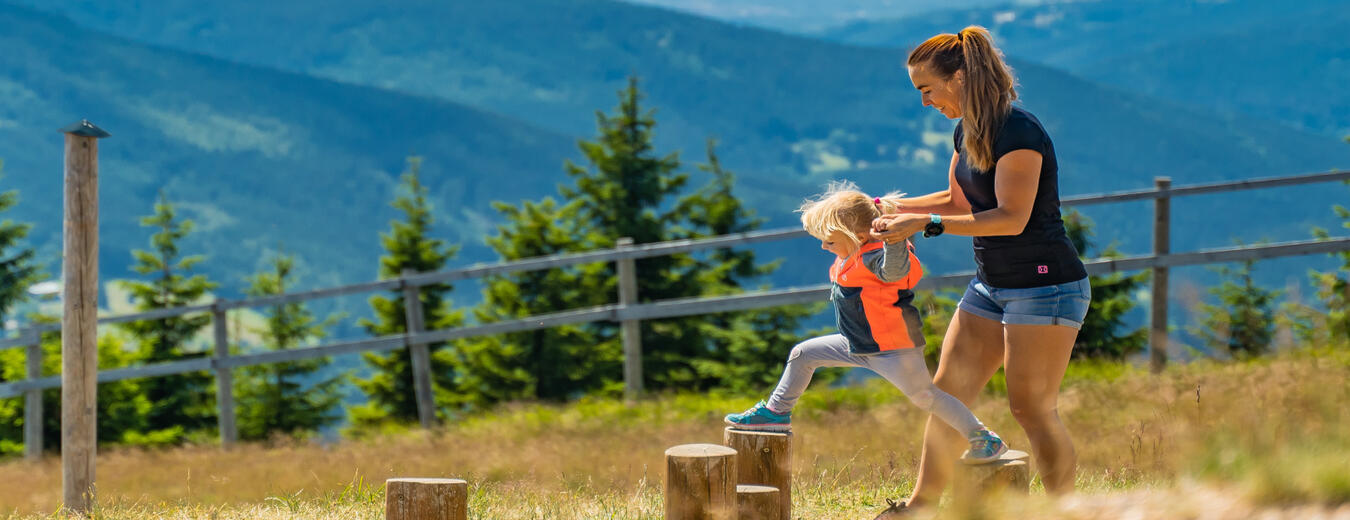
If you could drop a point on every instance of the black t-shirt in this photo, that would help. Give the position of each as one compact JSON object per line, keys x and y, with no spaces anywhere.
{"x":1042,"y":254}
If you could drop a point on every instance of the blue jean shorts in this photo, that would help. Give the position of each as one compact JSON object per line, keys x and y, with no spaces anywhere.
{"x":1063,"y":304}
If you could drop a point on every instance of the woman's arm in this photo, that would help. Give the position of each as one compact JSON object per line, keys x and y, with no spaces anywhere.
{"x":1018,"y":175}
{"x":946,"y":202}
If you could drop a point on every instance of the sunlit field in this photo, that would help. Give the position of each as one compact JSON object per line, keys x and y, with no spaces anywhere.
{"x":1206,"y":440}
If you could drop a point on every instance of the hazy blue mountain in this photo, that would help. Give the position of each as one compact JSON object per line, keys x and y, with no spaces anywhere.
{"x":791,"y":111}
{"x":1283,"y":61}
{"x":257,"y":157}
{"x":809,"y":16}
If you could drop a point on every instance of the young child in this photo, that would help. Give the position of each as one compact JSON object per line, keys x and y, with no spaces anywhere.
{"x":879,"y":327}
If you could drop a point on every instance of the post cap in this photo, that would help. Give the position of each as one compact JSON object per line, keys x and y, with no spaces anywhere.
{"x":85,"y":129}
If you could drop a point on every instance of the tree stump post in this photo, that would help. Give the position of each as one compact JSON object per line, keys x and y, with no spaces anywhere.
{"x":426,"y":499}
{"x":758,"y":502}
{"x":764,"y":458}
{"x":700,"y":482}
{"x":79,"y":321}
{"x":1009,"y":472}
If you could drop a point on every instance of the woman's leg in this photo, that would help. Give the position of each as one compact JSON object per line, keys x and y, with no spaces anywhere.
{"x":971,"y":352}
{"x":1037,"y":356}
{"x":806,"y":357}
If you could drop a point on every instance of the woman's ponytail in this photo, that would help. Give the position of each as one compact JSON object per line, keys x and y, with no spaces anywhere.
{"x":987,"y":95}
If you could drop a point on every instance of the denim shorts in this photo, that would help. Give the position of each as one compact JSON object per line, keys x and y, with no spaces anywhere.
{"x":1063,"y":304}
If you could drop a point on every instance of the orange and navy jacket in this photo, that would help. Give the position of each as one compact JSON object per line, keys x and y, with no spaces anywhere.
{"x":874,"y":308}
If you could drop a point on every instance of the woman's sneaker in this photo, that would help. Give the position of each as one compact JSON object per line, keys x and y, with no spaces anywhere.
{"x":985,"y":446}
{"x":896,"y":511}
{"x":761,"y":418}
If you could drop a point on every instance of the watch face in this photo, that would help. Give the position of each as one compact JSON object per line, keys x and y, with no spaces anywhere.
{"x":932,"y":229}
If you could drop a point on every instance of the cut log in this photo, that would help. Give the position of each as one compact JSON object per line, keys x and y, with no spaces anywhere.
{"x":700,"y":482}
{"x":758,"y":502}
{"x":764,"y":458}
{"x":1010,"y":472}
{"x":426,"y":499}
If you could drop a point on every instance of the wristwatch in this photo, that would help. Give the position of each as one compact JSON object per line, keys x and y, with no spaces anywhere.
{"x":934,"y":227}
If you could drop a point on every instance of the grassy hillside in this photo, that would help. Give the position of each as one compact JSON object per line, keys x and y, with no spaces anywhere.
{"x":1259,"y":438}
{"x":257,"y":157}
{"x":791,"y":111}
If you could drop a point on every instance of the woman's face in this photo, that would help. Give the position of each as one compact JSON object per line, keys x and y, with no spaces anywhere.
{"x":941,"y":94}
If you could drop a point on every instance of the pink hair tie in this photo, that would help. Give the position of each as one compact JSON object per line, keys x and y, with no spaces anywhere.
{"x":877,"y":201}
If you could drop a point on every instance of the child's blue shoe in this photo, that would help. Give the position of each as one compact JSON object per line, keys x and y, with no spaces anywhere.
{"x":985,"y":446}
{"x":760,"y":418}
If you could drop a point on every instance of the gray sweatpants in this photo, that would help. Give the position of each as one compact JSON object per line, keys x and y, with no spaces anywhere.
{"x":904,"y":368}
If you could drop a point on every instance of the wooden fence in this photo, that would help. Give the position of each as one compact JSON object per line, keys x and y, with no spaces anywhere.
{"x":627,"y":311}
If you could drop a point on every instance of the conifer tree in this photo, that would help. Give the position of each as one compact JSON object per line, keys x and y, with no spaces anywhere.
{"x":18,"y":269}
{"x":283,"y":397}
{"x":748,"y":348}
{"x":625,"y":189}
{"x":408,"y":245}
{"x":1242,"y":324}
{"x":1103,"y":334}
{"x":182,"y":403}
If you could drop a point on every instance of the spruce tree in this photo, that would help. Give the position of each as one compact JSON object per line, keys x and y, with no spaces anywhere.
{"x":624,"y":190}
{"x":1333,"y":287}
{"x":408,"y":245}
{"x":182,"y":403}
{"x":18,"y":269}
{"x":556,"y":363}
{"x":746,"y":349}
{"x":1103,"y":334}
{"x":283,"y":397}
{"x":1242,"y":324}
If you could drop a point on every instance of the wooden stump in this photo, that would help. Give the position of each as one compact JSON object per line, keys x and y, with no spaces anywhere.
{"x":426,"y":499}
{"x":1009,"y":472}
{"x":700,"y":482}
{"x":764,"y":458}
{"x":758,"y":503}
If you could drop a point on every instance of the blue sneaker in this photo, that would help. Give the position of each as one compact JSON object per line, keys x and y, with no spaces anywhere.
{"x":985,"y":446}
{"x":760,"y":418}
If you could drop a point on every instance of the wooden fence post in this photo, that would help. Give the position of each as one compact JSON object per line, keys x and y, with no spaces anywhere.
{"x":631,"y":330}
{"x":418,"y":353}
{"x":700,"y":482}
{"x":426,"y":499}
{"x":764,"y":458}
{"x":1162,"y":215}
{"x":79,"y":321}
{"x":32,"y":399}
{"x":224,"y":377}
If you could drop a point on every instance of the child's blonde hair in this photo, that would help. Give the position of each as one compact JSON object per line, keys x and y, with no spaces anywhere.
{"x":845,"y":209}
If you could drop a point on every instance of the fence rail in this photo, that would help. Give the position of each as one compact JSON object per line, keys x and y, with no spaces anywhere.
{"x":632,"y":313}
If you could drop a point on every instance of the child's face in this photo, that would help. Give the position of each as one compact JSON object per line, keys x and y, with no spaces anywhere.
{"x":839,"y":243}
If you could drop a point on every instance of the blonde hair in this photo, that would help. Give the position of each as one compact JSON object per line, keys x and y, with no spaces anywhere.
{"x":845,"y":209}
{"x":987,"y":93}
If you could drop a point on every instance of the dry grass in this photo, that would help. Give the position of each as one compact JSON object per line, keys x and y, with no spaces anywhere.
{"x":1271,"y":435}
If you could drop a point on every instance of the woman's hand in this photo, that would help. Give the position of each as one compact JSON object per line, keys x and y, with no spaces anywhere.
{"x":897,"y":227}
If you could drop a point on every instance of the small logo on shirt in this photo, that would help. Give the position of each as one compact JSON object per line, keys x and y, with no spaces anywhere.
{"x":1043,"y":269}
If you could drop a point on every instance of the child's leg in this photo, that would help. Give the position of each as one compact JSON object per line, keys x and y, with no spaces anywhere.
{"x":806,"y":357}
{"x":907,"y":371}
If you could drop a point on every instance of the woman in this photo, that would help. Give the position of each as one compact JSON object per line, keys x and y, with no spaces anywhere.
{"x":1030,"y":294}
